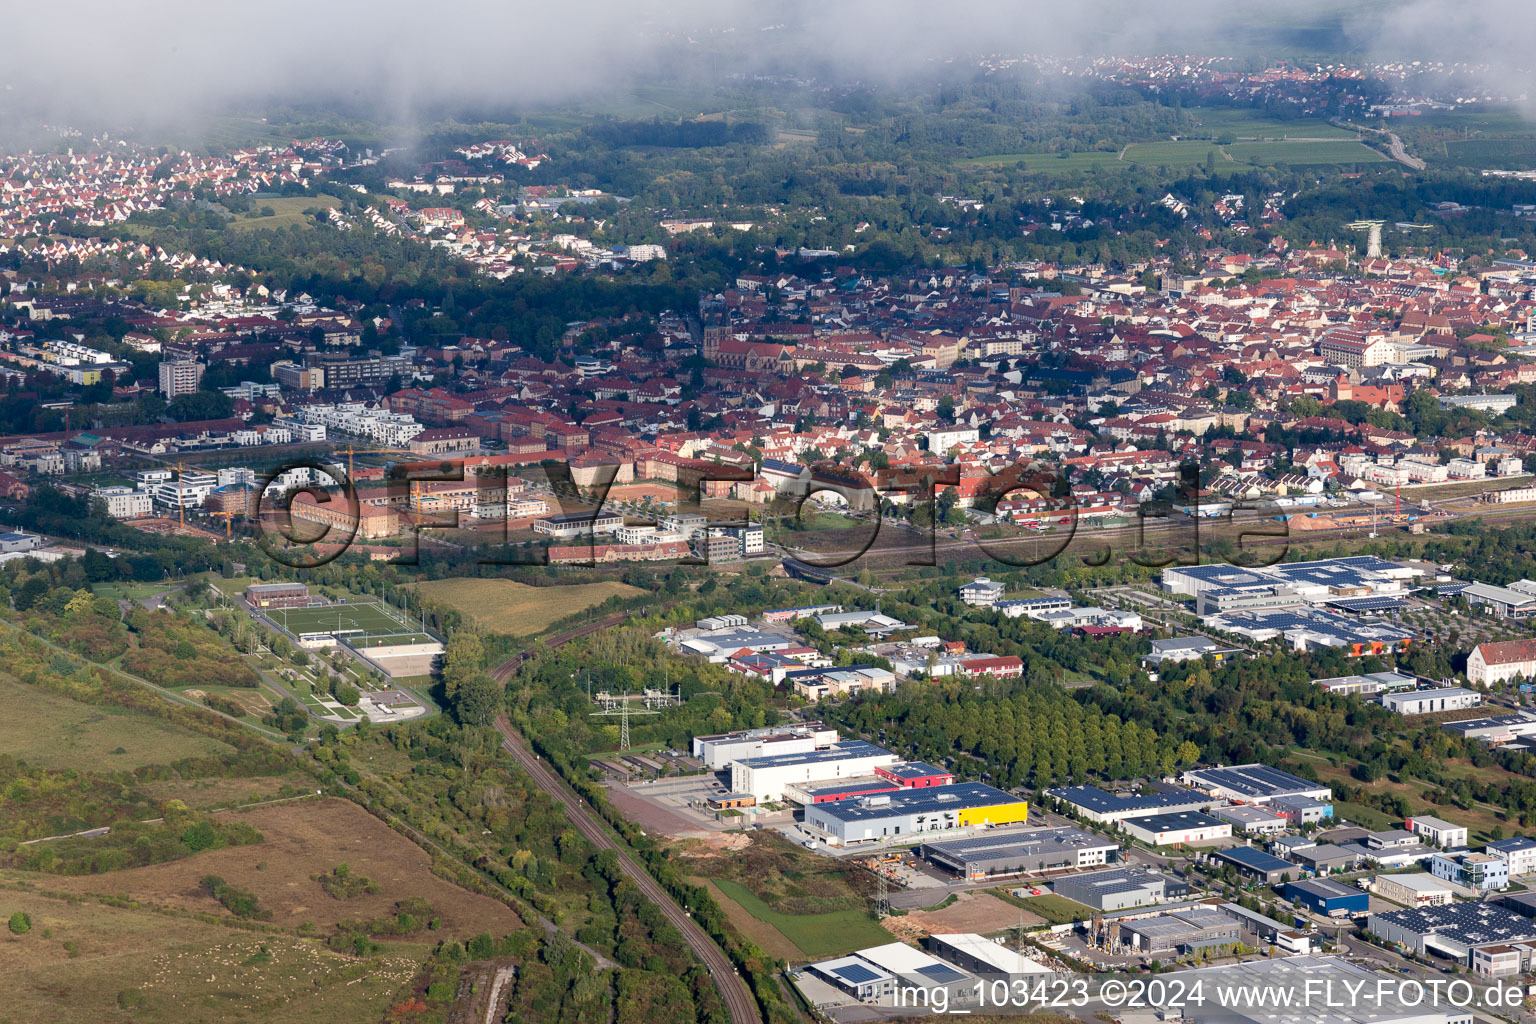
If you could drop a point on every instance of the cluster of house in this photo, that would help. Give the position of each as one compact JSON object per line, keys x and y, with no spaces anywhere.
{"x":775,"y":652}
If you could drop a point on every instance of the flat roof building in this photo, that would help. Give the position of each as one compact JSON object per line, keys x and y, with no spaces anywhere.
{"x":1027,"y":852}
{"x":1437,"y":832}
{"x":1176,"y":828}
{"x":906,"y":813}
{"x":1182,"y":931}
{"x":1250,"y":819}
{"x":1413,"y":889}
{"x":1428,"y":702}
{"x":1367,"y":685}
{"x":1327,"y":897}
{"x":766,"y":777}
{"x":1252,"y":783}
{"x":1256,"y":864}
{"x":1120,"y":888}
{"x":980,"y":955}
{"x":1452,"y":930}
{"x":719,"y":750}
{"x":1097,"y":805}
{"x":277,"y":595}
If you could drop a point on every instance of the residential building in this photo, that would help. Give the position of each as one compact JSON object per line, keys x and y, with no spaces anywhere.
{"x":125,"y":502}
{"x":180,"y":377}
{"x":1499,"y":662}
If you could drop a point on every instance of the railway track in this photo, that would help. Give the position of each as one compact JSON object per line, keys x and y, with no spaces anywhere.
{"x":739,"y":1000}
{"x":501,"y":673}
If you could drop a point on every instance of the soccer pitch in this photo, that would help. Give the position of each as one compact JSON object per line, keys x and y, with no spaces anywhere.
{"x":363,"y":624}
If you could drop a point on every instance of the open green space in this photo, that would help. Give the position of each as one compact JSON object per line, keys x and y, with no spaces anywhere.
{"x":1281,"y":154}
{"x":287,"y":211}
{"x":506,"y":606}
{"x":1244,"y":125}
{"x":51,"y":731}
{"x":1188,"y":153}
{"x":817,"y":935}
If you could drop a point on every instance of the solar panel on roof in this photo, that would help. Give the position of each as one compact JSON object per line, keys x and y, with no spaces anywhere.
{"x":940,"y":973}
{"x":1369,"y":604}
{"x":856,"y":973}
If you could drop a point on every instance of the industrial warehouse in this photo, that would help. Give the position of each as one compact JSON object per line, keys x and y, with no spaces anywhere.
{"x":1021,"y":853}
{"x":1121,"y":888}
{"x":910,"y":812}
{"x":765,"y":778}
{"x":1096,"y":805}
{"x":1254,"y":784}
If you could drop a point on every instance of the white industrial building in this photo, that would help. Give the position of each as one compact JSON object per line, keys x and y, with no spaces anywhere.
{"x":1253,"y":784}
{"x":1428,"y":702}
{"x":766,"y":777}
{"x":1519,"y":853}
{"x":1176,"y":828}
{"x":1253,"y":820}
{"x":720,"y":750}
{"x":1413,"y":889}
{"x":1437,"y":832}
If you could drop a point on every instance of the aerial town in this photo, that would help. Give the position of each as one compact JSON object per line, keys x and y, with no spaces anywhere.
{"x":754,"y":537}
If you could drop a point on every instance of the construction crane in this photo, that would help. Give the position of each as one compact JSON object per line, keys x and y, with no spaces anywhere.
{"x":227,"y":516}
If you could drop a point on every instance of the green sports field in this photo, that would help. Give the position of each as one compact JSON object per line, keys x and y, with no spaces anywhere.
{"x":361,"y":624}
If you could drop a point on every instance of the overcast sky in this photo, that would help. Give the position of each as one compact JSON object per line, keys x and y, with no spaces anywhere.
{"x":165,"y":60}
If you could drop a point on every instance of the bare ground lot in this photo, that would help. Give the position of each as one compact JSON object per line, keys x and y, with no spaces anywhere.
{"x":305,"y":839}
{"x":971,"y":912}
{"x":653,"y":817}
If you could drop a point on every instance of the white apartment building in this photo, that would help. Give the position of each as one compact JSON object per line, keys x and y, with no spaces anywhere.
{"x":358,"y":420}
{"x":189,"y":492}
{"x":125,"y":502}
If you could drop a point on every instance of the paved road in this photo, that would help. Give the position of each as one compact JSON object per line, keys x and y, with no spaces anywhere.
{"x":738,"y":998}
{"x":1400,"y":153}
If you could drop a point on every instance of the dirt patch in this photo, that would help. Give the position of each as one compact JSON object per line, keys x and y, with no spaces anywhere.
{"x":979,"y":912}
{"x":305,"y":839}
{"x":639,"y":492}
{"x":768,"y":938}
